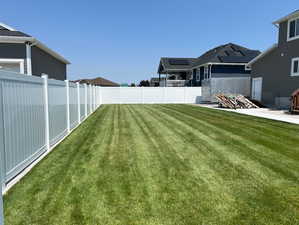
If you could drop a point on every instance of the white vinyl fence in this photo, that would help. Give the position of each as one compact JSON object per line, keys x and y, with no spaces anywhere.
{"x":150,"y":95}
{"x":36,"y":113}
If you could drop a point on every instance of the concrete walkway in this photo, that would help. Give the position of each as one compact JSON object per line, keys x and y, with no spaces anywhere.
{"x":280,"y":115}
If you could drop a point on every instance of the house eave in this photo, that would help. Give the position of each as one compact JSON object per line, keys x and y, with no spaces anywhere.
{"x":285,"y":18}
{"x":12,"y":39}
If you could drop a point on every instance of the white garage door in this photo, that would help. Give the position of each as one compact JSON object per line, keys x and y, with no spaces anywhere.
{"x":256,"y":91}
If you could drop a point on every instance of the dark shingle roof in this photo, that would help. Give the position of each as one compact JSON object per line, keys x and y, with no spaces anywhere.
{"x":228,"y":53}
{"x":99,"y":81}
{"x":5,"y":32}
{"x":167,"y":64}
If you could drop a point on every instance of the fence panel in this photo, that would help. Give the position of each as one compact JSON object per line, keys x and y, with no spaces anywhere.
{"x":88,"y":99}
{"x":110,"y":95}
{"x":82,"y":102}
{"x":193,"y":95}
{"x":150,"y":95}
{"x":23,"y":118}
{"x":57,"y":110}
{"x":73,"y":104}
{"x":130,"y":95}
{"x":175,"y":95}
{"x":154,"y":95}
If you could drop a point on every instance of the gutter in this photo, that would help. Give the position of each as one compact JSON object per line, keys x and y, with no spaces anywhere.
{"x":33,"y":41}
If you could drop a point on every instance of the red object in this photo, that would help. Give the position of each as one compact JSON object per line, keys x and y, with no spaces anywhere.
{"x":295,"y":101}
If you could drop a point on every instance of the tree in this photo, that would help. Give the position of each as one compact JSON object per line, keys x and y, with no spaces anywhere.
{"x":133,"y":85}
{"x":144,"y":83}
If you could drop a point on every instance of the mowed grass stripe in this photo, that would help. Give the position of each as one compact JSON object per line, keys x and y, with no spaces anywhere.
{"x":164,"y":164}
{"x":259,"y":143}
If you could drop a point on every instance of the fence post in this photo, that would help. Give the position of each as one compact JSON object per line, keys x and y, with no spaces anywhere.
{"x":78,"y":102}
{"x":85,"y":95}
{"x":1,"y":207}
{"x":90,"y":98}
{"x":164,"y":95}
{"x":94,"y":98}
{"x":185,"y":89}
{"x":100,"y":91}
{"x":67,"y":88}
{"x":2,"y":144}
{"x":2,"y":177}
{"x":98,"y":96}
{"x":142,"y":92}
{"x":46,"y":102}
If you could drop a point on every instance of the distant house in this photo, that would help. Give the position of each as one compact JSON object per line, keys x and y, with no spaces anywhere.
{"x":219,"y":70}
{"x":275,"y":73}
{"x":177,"y":71}
{"x":223,"y":70}
{"x":22,"y":53}
{"x":99,"y":81}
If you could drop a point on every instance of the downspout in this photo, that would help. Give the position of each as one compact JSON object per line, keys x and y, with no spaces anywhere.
{"x":28,"y":57}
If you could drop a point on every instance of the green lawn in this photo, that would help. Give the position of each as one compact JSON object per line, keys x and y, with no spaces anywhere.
{"x":164,"y":164}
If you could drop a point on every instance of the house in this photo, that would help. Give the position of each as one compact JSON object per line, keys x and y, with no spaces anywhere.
{"x":223,"y":70}
{"x":275,"y":73}
{"x":22,"y":53}
{"x":177,"y":71}
{"x":219,"y":70}
{"x":99,"y":81}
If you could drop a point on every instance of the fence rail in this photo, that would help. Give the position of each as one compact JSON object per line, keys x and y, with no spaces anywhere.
{"x":36,"y":113}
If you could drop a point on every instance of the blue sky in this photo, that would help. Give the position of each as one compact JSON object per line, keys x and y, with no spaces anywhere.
{"x":124,"y":40}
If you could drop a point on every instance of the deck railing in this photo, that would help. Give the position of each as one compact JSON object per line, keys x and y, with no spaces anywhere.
{"x":174,"y":83}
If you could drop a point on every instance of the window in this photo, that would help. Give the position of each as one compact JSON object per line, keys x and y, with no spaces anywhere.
{"x":293,"y":29}
{"x":295,"y":67}
{"x":12,"y":65}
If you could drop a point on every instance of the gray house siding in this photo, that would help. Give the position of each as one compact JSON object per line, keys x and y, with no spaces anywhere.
{"x":43,"y":63}
{"x":13,"y":51}
{"x":275,"y":69}
{"x":229,"y":69}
